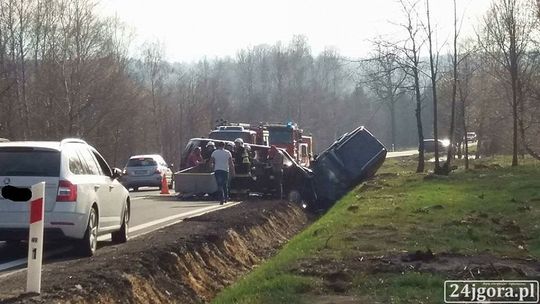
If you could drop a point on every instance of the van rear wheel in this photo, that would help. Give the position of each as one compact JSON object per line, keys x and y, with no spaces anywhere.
{"x":294,"y":196}
{"x":88,"y":244}
{"x":121,"y":236}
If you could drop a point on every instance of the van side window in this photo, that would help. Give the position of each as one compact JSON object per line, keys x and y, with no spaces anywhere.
{"x":105,"y":169}
{"x":75,"y":165}
{"x":87,"y":157}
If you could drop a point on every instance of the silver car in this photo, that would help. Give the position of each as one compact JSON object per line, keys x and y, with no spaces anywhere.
{"x":83,"y":197}
{"x":146,"y":171}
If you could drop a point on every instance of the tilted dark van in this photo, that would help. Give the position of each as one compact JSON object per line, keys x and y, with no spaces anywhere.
{"x":353,"y":158}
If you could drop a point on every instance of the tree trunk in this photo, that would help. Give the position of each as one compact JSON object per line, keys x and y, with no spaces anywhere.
{"x":26,"y":110}
{"x":449,"y":155}
{"x":393,"y":125}
{"x":524,"y":142}
{"x":466,"y":142}
{"x":418,"y":114}
{"x":515,"y":120}
{"x":434,"y":92}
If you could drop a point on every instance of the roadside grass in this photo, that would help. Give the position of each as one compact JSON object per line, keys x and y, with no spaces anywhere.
{"x":493,"y":209}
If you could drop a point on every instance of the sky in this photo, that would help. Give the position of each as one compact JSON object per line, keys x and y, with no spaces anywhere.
{"x":190,"y":30}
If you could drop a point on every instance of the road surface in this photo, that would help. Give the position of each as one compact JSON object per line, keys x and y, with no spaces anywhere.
{"x":401,"y":153}
{"x":149,"y":211}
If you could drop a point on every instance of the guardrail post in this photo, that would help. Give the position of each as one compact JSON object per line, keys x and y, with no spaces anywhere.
{"x":35,"y":241}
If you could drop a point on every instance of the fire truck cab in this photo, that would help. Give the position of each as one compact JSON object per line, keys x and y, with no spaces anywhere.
{"x":290,"y":137}
{"x":248,"y":133}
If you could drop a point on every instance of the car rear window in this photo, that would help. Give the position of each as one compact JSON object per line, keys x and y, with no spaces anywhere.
{"x":141,"y":162}
{"x":16,"y":161}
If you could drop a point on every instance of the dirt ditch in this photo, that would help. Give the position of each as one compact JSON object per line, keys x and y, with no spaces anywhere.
{"x":185,"y":263}
{"x":338,"y":275}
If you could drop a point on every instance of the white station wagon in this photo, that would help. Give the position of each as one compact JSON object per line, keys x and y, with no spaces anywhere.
{"x":83,"y":197}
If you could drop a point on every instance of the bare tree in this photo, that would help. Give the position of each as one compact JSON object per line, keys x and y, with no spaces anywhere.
{"x":447,"y":165}
{"x":23,"y":18}
{"x":506,"y":36}
{"x":467,"y":69}
{"x":301,"y":63}
{"x":386,"y":78}
{"x":153,"y":56}
{"x":411,"y":64}
{"x":433,"y":68}
{"x":529,"y":105}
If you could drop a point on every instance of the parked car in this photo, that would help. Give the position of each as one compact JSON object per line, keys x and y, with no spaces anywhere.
{"x":471,"y":137}
{"x":83,"y":197}
{"x":429,"y":145}
{"x":146,"y":171}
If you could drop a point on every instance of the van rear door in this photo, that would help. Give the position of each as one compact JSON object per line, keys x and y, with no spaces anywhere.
{"x":25,"y":166}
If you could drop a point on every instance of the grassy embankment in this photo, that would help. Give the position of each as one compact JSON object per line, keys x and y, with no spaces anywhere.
{"x":492,"y":210}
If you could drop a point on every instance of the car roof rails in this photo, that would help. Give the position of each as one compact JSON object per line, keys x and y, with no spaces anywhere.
{"x":72,"y":141}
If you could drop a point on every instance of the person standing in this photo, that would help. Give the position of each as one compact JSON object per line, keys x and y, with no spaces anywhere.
{"x":238,"y":154}
{"x":209,"y":149}
{"x":195,"y":158}
{"x":222,"y":162}
{"x":276,"y":161}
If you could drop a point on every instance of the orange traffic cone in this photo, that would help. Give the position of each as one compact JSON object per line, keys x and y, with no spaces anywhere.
{"x":164,"y":186}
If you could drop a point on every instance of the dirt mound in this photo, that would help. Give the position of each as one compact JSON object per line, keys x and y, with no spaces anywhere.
{"x":186,"y":263}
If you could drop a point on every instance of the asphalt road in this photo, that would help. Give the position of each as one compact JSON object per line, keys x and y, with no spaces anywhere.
{"x":149,"y":211}
{"x":401,"y":153}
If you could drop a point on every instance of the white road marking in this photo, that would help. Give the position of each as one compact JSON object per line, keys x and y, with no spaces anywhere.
{"x":180,"y":216}
{"x":174,"y":218}
{"x":12,"y":264}
{"x":180,"y":220}
{"x":137,"y":198}
{"x":22,"y":261}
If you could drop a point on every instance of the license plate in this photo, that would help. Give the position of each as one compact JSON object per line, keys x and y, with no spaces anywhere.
{"x":3,"y":198}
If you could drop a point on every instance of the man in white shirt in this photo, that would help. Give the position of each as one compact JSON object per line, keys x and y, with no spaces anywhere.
{"x":222,"y":162}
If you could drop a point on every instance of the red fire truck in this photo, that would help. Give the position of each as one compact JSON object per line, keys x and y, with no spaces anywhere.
{"x":291,"y":138}
{"x":250,"y":134}
{"x":286,"y":136}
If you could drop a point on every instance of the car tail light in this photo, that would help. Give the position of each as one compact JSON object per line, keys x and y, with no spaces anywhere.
{"x":67,"y":192}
